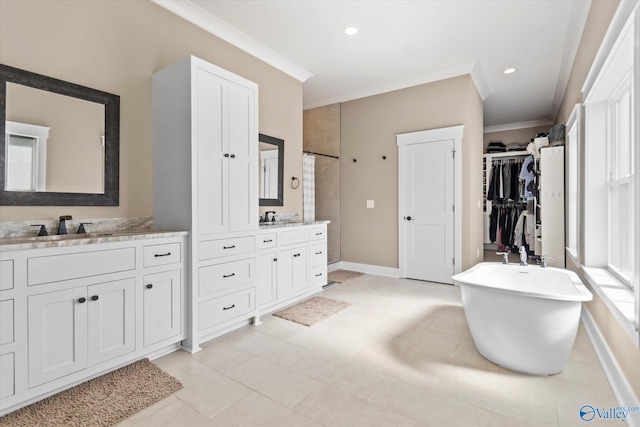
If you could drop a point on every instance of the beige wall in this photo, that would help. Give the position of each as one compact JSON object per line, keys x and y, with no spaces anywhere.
{"x":369,"y":128}
{"x":626,"y":353}
{"x":115,"y":46}
{"x":321,"y":134}
{"x":516,"y":135}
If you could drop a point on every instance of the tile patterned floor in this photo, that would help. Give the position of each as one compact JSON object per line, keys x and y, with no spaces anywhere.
{"x":401,"y":355}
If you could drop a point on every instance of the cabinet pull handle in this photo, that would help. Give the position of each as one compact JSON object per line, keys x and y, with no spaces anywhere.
{"x":233,"y":156}
{"x":228,"y":308}
{"x":159,"y":255}
{"x":82,"y":300}
{"x":226,"y":154}
{"x":296,"y":255}
{"x":319,"y":274}
{"x":318,"y":253}
{"x":94,"y":298}
{"x":149,"y":286}
{"x":319,"y":234}
{"x":229,"y":247}
{"x":224,"y":276}
{"x":267,"y":241}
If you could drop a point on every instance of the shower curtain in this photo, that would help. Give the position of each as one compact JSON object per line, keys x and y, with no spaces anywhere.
{"x":308,"y":187}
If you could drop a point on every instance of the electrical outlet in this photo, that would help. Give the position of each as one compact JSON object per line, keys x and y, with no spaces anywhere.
{"x":370,"y":204}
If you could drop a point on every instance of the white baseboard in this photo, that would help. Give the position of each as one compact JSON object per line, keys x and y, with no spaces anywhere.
{"x":621,"y":389}
{"x":364,"y":268}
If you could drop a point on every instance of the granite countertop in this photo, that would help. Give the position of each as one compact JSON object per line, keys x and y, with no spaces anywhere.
{"x":280,"y":224}
{"x":34,"y":242}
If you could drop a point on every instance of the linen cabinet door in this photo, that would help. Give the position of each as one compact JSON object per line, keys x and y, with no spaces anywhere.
{"x":161,"y":306}
{"x":243,"y":143}
{"x":57,"y":323}
{"x":111,"y":319}
{"x":213,"y":154}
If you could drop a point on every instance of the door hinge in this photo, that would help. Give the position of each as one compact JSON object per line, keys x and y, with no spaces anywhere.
{"x":453,"y":152}
{"x":453,"y":208}
{"x":453,"y":261}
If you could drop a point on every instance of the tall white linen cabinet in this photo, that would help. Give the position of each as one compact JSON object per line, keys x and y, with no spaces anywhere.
{"x":205,"y":139}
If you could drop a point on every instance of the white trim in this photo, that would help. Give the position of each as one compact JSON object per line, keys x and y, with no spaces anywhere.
{"x":214,"y":25}
{"x":619,"y":385}
{"x":617,"y":297}
{"x":620,"y":18}
{"x":455,"y":133}
{"x":517,"y":125}
{"x":574,"y":149}
{"x":367,"y":268}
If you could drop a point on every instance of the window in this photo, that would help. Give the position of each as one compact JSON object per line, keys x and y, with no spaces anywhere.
{"x":26,"y":154}
{"x":611,"y":228}
{"x":573,"y":189}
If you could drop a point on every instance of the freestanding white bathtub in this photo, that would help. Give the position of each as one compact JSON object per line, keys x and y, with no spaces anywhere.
{"x":524,"y":318}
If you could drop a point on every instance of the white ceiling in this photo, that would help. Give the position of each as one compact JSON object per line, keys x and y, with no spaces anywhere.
{"x":405,"y":43}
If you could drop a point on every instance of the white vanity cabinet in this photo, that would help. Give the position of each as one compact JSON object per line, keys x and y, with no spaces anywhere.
{"x":205,"y":177}
{"x":72,"y":311}
{"x":292,"y":264}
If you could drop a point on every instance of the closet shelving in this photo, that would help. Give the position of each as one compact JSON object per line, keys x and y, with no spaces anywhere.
{"x":545,"y":208}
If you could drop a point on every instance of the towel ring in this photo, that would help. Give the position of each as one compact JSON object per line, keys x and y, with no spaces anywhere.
{"x":295,"y":182}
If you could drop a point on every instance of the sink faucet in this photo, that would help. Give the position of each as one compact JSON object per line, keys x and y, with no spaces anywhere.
{"x":523,"y":256}
{"x":505,"y":257}
{"x":266,"y":216}
{"x":543,"y":260}
{"x":62,"y":225}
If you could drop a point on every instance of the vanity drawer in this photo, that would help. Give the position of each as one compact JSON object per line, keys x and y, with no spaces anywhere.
{"x":6,"y":322}
{"x":225,"y":247}
{"x":6,"y":275}
{"x":318,"y":254}
{"x":268,"y":240}
{"x":161,"y":254}
{"x":220,"y":277}
{"x":54,"y":268}
{"x":318,"y":233}
{"x":319,"y":275}
{"x":7,"y":373}
{"x":293,"y":237}
{"x":229,"y":307}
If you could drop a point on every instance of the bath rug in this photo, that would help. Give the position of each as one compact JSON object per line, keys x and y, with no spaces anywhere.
{"x":341,"y":276}
{"x":312,"y":311}
{"x":102,"y":401}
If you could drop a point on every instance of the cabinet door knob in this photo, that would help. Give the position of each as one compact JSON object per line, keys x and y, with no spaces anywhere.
{"x":94,"y":298}
{"x":275,"y":259}
{"x":82,"y":300}
{"x":226,"y":154}
{"x":233,"y":156}
{"x":149,"y":286}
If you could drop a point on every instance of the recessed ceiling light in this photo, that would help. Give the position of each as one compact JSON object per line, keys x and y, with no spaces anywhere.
{"x":351,"y":31}
{"x":509,"y":70}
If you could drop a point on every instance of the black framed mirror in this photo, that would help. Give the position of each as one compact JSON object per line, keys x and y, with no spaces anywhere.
{"x":271,"y":172}
{"x":59,"y":142}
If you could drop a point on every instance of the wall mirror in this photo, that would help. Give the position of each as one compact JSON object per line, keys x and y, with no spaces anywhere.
{"x":271,"y":163}
{"x":59,"y":142}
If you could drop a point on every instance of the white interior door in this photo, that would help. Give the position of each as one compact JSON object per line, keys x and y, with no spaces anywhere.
{"x":427,"y":210}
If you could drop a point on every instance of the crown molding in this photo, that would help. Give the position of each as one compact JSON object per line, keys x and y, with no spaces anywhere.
{"x":214,"y":25}
{"x":518,"y":125}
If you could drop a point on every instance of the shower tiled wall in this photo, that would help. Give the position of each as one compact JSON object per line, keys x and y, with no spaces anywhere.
{"x":321,"y":134}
